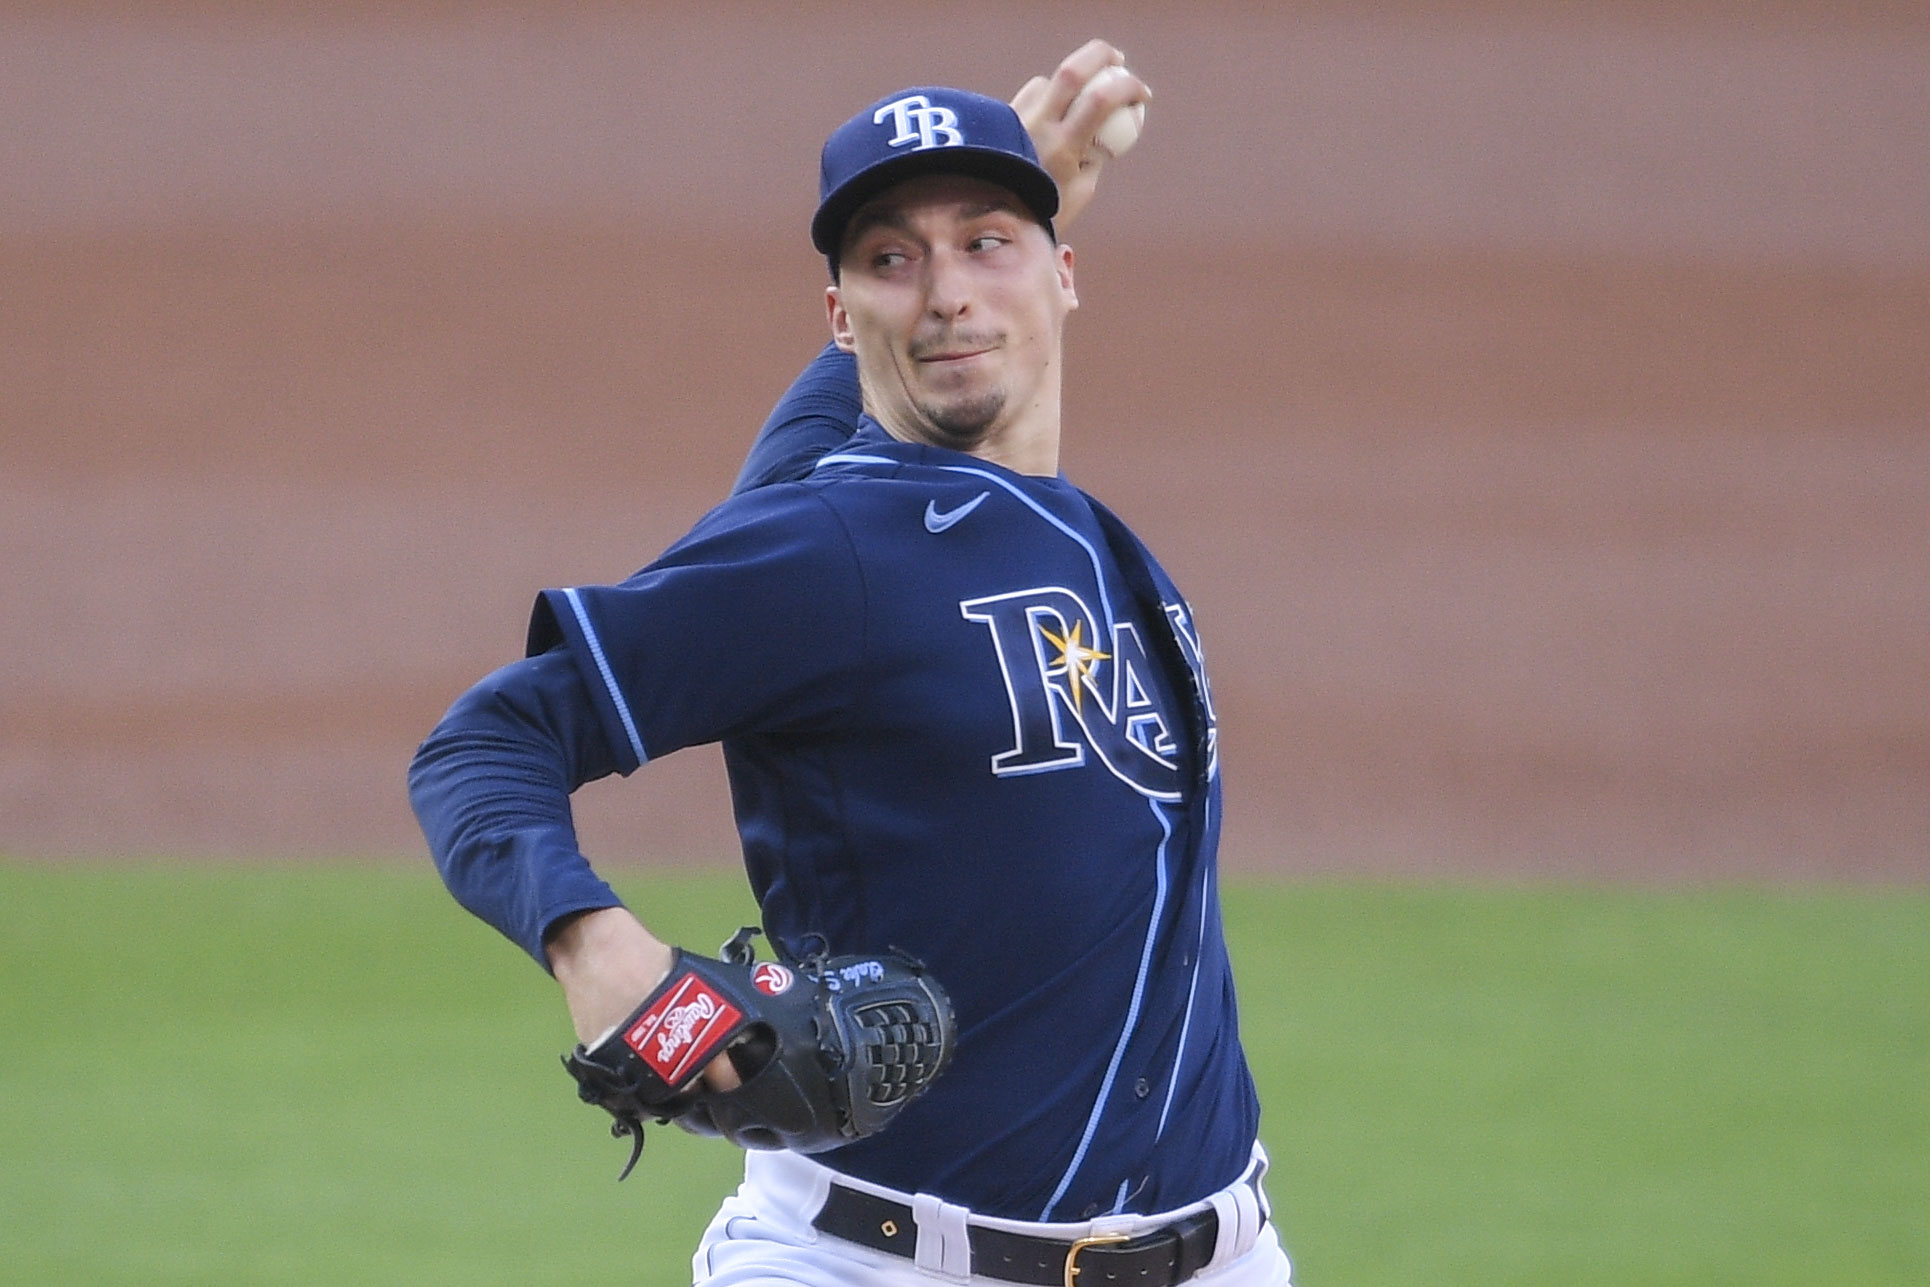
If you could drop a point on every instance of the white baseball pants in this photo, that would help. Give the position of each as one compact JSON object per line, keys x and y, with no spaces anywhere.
{"x":762,"y":1235}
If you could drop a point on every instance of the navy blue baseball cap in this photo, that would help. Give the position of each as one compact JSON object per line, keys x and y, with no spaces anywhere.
{"x":922,"y":131}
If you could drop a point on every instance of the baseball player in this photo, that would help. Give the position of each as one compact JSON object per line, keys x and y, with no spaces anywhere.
{"x":966,"y":719}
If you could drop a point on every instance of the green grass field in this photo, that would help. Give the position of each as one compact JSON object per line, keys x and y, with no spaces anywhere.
{"x":330,"y":1074}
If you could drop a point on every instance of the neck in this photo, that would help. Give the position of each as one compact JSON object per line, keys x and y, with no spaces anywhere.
{"x":1032,"y":451}
{"x":1035,"y":453}
{"x":1025,"y":443}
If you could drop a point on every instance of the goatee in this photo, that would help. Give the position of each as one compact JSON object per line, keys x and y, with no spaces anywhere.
{"x":964,"y":424}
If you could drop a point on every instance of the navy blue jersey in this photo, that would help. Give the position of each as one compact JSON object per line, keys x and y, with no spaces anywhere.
{"x":964,"y":715}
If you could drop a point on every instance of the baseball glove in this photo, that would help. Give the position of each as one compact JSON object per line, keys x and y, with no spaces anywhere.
{"x":829,"y":1050}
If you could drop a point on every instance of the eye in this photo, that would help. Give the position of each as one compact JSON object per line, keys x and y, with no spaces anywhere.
{"x":985,"y":241}
{"x":885,"y":260}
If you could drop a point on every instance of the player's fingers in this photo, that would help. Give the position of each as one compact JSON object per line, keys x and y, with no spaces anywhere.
{"x":1101,"y":97}
{"x":720,"y":1074}
{"x":1075,"y":72}
{"x":1060,"y":149}
{"x":1029,"y":101}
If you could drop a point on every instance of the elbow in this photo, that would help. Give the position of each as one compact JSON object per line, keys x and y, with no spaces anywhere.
{"x":434,"y":777}
{"x":456,"y":770}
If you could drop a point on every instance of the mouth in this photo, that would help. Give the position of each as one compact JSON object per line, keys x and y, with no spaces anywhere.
{"x":951,"y":356}
{"x":940,"y":351}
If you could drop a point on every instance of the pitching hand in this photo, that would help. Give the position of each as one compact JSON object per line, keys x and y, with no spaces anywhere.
{"x":1063,"y":112}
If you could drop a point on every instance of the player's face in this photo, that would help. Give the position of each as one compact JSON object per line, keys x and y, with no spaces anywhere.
{"x":954,"y":299}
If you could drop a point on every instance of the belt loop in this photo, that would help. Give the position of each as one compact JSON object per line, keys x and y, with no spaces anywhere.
{"x":1257,"y":1176}
{"x":1240,"y":1221}
{"x":944,"y":1240}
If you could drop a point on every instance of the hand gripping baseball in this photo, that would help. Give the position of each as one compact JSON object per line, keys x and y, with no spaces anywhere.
{"x":1071,"y":115}
{"x":828,"y":1050}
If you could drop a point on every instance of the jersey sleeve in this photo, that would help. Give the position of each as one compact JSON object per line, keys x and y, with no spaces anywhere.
{"x":815,"y":416}
{"x":491,"y":788}
{"x":754,"y":622}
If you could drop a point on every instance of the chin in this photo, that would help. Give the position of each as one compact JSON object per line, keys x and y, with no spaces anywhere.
{"x":965,"y":422}
{"x":961,"y":437}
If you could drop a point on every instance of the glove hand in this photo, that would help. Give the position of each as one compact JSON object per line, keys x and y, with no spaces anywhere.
{"x":828,"y":1051}
{"x":603,"y":960}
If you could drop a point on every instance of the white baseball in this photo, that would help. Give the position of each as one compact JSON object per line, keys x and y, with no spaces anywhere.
{"x":1119,"y":131}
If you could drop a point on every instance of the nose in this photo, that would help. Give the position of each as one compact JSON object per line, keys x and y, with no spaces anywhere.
{"x":947,"y":284}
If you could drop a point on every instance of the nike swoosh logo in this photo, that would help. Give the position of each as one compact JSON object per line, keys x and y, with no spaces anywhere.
{"x":936,"y":521}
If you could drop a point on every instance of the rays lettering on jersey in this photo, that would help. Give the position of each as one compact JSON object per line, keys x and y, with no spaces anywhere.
{"x":1077,"y":688}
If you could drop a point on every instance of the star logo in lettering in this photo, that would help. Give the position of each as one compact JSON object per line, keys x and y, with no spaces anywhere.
{"x":1075,"y":660}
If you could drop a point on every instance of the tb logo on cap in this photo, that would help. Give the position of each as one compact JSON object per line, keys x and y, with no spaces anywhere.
{"x":917,"y":121}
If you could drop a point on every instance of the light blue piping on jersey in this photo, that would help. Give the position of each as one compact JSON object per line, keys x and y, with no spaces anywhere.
{"x":844,"y":458}
{"x":1192,"y":989}
{"x":603,"y":669}
{"x":1092,"y":555}
{"x":1132,"y":1015}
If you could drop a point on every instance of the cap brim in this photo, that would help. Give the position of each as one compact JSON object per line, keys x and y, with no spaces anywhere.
{"x":1029,"y":183}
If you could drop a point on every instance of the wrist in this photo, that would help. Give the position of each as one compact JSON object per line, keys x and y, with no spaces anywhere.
{"x":605,"y":961}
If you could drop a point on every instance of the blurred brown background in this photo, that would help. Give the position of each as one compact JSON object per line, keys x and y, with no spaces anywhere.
{"x":1536,"y":406}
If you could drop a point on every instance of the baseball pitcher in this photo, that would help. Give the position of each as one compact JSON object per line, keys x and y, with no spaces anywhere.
{"x":972,"y":751}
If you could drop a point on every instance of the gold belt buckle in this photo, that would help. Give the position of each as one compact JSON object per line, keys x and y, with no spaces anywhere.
{"x":1080,"y":1244}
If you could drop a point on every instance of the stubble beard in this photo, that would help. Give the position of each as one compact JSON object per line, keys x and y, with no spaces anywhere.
{"x":967,"y":422}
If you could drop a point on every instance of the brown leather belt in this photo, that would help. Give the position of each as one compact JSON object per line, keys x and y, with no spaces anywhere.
{"x":1159,"y":1257}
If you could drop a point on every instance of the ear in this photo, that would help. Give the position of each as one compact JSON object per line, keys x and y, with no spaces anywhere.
{"x":1064,"y":268}
{"x":840,"y":320}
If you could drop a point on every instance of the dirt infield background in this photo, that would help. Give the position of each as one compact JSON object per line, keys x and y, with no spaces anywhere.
{"x":1537,"y":408}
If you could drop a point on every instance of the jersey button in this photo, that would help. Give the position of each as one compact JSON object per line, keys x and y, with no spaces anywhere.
{"x":1142,"y":1088}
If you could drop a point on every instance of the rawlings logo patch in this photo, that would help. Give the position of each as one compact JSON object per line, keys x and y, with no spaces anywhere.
{"x":772,"y":979}
{"x":681,"y":1032}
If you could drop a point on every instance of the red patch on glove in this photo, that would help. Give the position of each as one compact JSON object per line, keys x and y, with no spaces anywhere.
{"x":683,"y":1031}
